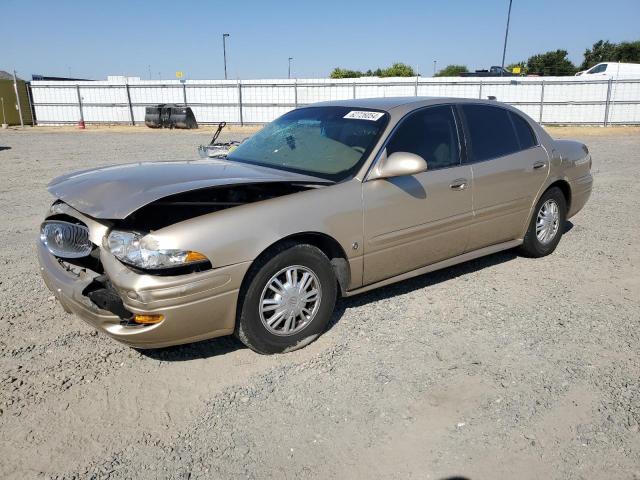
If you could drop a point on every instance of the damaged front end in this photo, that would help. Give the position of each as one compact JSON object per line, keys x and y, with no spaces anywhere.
{"x":112,"y":274}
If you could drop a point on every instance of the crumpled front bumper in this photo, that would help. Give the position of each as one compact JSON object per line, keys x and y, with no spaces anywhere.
{"x":195,"y":306}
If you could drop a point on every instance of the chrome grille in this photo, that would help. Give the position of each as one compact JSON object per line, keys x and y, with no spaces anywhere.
{"x":66,"y":240}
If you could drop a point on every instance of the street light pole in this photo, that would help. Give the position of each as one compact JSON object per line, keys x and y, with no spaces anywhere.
{"x":224,"y":52}
{"x":289,"y":75}
{"x":434,"y":67}
{"x":506,"y":35}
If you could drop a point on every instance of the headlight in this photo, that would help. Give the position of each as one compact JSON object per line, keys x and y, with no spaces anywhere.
{"x":131,"y":248}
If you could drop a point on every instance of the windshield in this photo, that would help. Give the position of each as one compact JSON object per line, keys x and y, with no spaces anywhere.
{"x":326,"y":142}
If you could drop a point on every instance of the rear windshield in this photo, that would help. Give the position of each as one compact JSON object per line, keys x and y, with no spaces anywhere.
{"x":326,"y":142}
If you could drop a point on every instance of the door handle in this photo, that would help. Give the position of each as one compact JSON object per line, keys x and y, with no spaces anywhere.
{"x":538,"y":165}
{"x":458,"y":184}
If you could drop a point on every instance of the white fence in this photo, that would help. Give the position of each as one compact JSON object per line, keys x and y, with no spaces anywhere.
{"x":551,"y":100}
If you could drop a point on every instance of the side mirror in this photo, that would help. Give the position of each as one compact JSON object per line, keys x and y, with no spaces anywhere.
{"x":398,"y":164}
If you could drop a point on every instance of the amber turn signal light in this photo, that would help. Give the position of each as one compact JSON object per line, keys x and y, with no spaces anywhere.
{"x":147,"y":319}
{"x":194,"y":257}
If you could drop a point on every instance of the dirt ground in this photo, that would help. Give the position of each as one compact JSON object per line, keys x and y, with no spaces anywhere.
{"x":504,"y":367}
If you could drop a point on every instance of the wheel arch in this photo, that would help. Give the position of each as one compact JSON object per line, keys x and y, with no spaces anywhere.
{"x":564,"y":187}
{"x":325,"y":243}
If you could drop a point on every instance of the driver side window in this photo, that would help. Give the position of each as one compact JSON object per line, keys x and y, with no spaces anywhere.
{"x":430,"y":133}
{"x":599,"y":68}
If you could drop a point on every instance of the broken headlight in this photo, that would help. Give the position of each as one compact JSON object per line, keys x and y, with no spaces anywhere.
{"x":134,"y":249}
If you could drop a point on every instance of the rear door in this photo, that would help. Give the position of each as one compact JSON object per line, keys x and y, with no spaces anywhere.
{"x":508,"y":166}
{"x":415,"y":220}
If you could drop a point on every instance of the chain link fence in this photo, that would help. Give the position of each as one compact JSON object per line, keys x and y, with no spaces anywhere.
{"x":549,"y":100}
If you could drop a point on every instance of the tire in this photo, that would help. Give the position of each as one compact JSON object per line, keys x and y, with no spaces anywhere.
{"x":295,"y":260}
{"x":535,"y":247}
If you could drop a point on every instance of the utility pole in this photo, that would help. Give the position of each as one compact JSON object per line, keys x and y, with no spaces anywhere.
{"x":15,"y":87}
{"x":435,"y":62}
{"x":289,"y":75}
{"x":149,"y":68}
{"x":4,"y":119}
{"x":506,"y":35}
{"x":224,"y":52}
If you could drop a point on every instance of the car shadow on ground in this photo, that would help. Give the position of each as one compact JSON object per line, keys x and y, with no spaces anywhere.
{"x":228,"y":344}
{"x":420,"y":282}
{"x":193,"y":351}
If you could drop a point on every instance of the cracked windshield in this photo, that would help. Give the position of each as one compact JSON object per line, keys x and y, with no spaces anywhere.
{"x":327,"y":142}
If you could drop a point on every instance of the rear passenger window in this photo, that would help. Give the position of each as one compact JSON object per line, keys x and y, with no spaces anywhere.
{"x":526,"y":138}
{"x":491,"y":132}
{"x":430,"y":133}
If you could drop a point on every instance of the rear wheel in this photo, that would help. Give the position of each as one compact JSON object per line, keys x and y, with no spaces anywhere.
{"x":288,"y":301}
{"x":546,"y":226}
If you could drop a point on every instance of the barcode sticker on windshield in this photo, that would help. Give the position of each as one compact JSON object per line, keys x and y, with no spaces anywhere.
{"x":364,"y":115}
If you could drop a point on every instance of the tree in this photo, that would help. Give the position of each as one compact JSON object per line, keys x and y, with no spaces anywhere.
{"x":397,"y":70}
{"x":605,"y":51}
{"x":551,"y":63}
{"x":628,"y":52}
{"x":601,"y":51}
{"x":452,"y":71}
{"x":344,"y":73}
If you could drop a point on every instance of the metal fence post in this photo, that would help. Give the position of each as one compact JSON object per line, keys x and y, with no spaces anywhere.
{"x":541,"y":101}
{"x":480,"y":91}
{"x":606,"y":108}
{"x":240,"y":102}
{"x":295,"y":92}
{"x":133,"y":121}
{"x":415,"y":91}
{"x":80,"y":104}
{"x":184,"y":93}
{"x":354,"y":89}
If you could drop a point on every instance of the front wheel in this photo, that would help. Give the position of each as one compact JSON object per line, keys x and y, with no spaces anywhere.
{"x":288,"y":300}
{"x":546,"y":226}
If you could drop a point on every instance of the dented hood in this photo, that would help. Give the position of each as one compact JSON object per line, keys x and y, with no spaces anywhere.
{"x":117,"y":191}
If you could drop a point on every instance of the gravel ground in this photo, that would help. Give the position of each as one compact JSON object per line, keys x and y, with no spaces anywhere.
{"x":504,"y":367}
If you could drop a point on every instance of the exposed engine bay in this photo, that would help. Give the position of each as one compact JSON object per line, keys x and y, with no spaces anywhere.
{"x":183,"y":206}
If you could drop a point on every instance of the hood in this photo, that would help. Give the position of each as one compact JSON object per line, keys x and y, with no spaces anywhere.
{"x":117,"y":191}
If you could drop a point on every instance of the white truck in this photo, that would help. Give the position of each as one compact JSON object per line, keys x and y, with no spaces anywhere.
{"x":612,"y":69}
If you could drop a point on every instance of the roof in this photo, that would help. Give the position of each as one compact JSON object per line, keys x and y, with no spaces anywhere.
{"x":389,"y":103}
{"x":382,"y":103}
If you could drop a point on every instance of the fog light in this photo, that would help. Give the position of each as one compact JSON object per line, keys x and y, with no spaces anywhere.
{"x":147,"y":319}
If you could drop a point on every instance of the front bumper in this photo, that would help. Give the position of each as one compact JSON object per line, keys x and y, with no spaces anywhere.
{"x":195,"y":306}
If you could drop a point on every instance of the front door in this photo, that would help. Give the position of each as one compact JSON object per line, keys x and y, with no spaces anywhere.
{"x":416,"y":220}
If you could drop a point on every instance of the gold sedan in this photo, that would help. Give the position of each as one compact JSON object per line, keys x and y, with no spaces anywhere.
{"x":332,"y":199}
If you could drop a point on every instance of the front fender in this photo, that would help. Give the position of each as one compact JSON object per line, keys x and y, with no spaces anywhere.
{"x":240,"y":234}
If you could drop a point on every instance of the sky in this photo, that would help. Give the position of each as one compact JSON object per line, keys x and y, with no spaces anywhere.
{"x":93,"y":39}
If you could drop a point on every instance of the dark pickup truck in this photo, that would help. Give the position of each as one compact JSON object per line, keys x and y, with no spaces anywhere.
{"x":494,"y":71}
